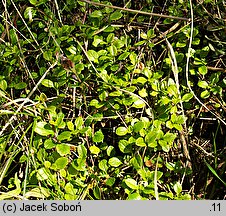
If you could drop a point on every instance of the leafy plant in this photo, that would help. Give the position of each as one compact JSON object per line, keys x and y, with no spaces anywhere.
{"x":97,"y":102}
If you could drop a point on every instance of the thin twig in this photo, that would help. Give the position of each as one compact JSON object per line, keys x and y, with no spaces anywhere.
{"x":187,"y":68}
{"x":28,"y":97}
{"x":136,"y":11}
{"x":216,"y":69}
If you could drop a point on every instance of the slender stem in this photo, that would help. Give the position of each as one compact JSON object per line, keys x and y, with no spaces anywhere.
{"x":187,"y":68}
{"x":136,"y":11}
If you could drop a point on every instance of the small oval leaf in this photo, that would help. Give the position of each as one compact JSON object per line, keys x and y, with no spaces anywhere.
{"x":47,"y":83}
{"x":43,"y":129}
{"x":61,"y":162}
{"x":131,"y":183}
{"x":114,"y":162}
{"x":121,"y":131}
{"x":116,"y":15}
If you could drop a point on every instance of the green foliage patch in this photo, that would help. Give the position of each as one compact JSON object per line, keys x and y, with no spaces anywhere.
{"x":95,"y":102}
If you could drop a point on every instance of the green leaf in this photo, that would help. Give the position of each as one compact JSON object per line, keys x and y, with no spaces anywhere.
{"x":29,"y":13}
{"x":63,"y":149}
{"x":65,"y":135}
{"x":114,"y":162}
{"x":133,"y":58}
{"x":169,"y":137}
{"x":139,"y":43}
{"x":115,"y":93}
{"x":95,"y":103}
{"x":110,"y":181}
{"x":98,"y":116}
{"x":97,"y":192}
{"x":70,"y":126}
{"x":43,"y":129}
{"x":82,"y":151}
{"x":13,"y":193}
{"x":20,"y":85}
{"x":134,"y":196}
{"x":47,"y":164}
{"x":179,"y":44}
{"x":103,"y":165}
{"x":187,"y":97}
{"x":94,"y":150}
{"x":140,"y":142}
{"x":150,"y":34}
{"x":151,"y":137}
{"x":110,"y":38}
{"x":121,"y":131}
{"x":79,"y":123}
{"x":42,"y":174}
{"x":69,"y":188}
{"x":141,"y":80}
{"x":39,"y":192}
{"x":203,"y":70}
{"x":98,"y":136}
{"x":139,"y":104}
{"x":93,"y":55}
{"x":96,"y":14}
{"x":110,"y":150}
{"x":119,"y":43}
{"x":123,"y":56}
{"x":215,"y":77}
{"x":112,"y":50}
{"x":171,"y":166}
{"x":72,"y":50}
{"x":205,"y":94}
{"x":177,"y":188}
{"x":165,"y":146}
{"x":131,"y":183}
{"x":49,"y":144}
{"x":61,"y":162}
{"x":172,"y":90}
{"x":138,"y":126}
{"x":124,"y":146}
{"x":178,"y":127}
{"x":180,"y":119}
{"x":103,"y":95}
{"x":169,"y":124}
{"x":143,"y":93}
{"x":3,"y":85}
{"x":116,"y":15}
{"x":151,"y":175}
{"x":47,"y":83}
{"x":166,"y":196}
{"x":59,"y":123}
{"x":98,"y":40}
{"x":47,"y":55}
{"x":137,"y":162}
{"x":203,"y":84}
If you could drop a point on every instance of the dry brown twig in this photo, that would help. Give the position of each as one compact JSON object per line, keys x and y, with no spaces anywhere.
{"x":135,"y":11}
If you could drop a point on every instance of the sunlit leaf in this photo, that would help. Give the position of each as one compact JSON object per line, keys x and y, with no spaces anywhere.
{"x":114,"y":162}
{"x":98,"y":136}
{"x":203,"y":70}
{"x":61,"y":162}
{"x":94,"y":150}
{"x":96,"y":14}
{"x":43,"y":129}
{"x":121,"y":131}
{"x":63,"y":149}
{"x":131,"y":183}
{"x":47,"y":83}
